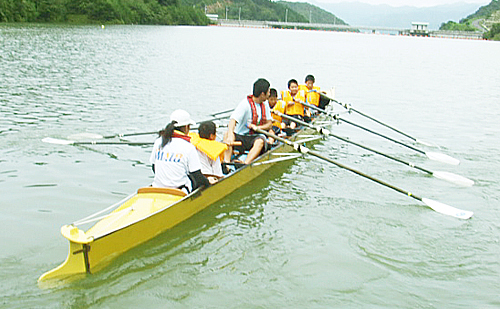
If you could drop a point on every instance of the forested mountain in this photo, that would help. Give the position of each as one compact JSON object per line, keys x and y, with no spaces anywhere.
{"x":166,"y":12}
{"x":486,"y":17}
{"x":248,"y":10}
{"x":485,"y":11}
{"x":313,"y":14}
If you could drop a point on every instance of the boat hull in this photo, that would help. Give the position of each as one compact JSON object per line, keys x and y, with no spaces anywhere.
{"x":144,"y":216}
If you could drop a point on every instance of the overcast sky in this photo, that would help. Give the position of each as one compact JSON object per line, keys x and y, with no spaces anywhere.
{"x":417,"y":3}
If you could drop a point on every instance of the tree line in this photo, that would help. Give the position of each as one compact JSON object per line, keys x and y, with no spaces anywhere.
{"x":162,"y":12}
{"x":484,"y":12}
{"x":494,"y":33}
{"x":151,"y":12}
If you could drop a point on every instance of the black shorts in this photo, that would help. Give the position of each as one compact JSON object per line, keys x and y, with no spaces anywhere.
{"x":288,"y":121}
{"x":276,"y":130}
{"x":248,"y":140}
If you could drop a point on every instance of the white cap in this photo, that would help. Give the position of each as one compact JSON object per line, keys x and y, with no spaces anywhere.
{"x":181,"y":117}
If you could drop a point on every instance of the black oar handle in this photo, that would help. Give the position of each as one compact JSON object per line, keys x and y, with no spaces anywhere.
{"x":336,"y":117}
{"x":130,"y":134}
{"x":156,"y":132}
{"x":305,"y":150}
{"x":350,"y":108}
{"x":112,"y":143}
{"x":379,"y":134}
{"x":322,"y":131}
{"x":384,"y":124}
{"x":222,"y":112}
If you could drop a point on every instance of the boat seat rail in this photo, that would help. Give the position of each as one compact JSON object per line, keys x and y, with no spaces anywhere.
{"x":171,"y":191}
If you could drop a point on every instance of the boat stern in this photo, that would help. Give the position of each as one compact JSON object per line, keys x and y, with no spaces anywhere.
{"x":77,"y":260}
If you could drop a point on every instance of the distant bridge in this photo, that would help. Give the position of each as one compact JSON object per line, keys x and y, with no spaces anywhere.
{"x":372,"y":29}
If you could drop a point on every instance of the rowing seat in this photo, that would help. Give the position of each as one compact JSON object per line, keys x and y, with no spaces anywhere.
{"x":171,"y":191}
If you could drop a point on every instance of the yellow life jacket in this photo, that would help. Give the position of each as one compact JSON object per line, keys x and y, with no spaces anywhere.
{"x":311,"y":97}
{"x":279,"y":107}
{"x":212,"y":149}
{"x":296,"y":108}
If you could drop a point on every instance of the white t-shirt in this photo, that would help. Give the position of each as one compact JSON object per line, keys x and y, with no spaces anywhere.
{"x":243,"y":115}
{"x":173,"y":163}
{"x":209,"y":166}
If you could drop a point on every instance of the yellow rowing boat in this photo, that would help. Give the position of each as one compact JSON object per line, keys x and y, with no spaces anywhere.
{"x":149,"y":212}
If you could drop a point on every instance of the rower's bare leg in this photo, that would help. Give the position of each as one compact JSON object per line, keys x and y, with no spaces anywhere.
{"x":255,"y":151}
{"x":228,"y":152}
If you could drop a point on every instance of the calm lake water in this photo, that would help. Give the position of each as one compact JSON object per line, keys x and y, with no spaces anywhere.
{"x":308,"y":235}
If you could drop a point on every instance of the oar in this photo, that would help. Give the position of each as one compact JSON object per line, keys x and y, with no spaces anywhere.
{"x":68,"y":142}
{"x":350,"y":108}
{"x":121,"y":135}
{"x":222,"y":112}
{"x":436,"y":206}
{"x":436,"y":156}
{"x":57,"y":141}
{"x":454,"y":178}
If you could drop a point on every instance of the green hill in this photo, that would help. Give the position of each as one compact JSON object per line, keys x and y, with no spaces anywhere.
{"x":484,"y":12}
{"x":247,"y":10}
{"x":164,"y":12}
{"x":313,"y":14}
{"x":486,"y":17}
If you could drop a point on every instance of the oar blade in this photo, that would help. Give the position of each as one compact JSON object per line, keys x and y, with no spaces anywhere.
{"x":51,"y":140}
{"x":447,"y":210}
{"x":454,"y":178}
{"x":441,"y":157}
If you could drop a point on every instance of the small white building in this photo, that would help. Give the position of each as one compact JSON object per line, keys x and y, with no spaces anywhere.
{"x":213,"y":17}
{"x":419,"y":29}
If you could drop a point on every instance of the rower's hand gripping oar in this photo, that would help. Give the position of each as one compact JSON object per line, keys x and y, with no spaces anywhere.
{"x":436,"y":206}
{"x":454,"y":178}
{"x":349,"y":108}
{"x":435,"y":156}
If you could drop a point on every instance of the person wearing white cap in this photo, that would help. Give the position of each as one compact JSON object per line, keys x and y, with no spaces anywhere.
{"x":174,"y":159}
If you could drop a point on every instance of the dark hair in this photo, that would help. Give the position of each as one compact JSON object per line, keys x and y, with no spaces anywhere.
{"x":206,"y":128}
{"x":260,"y":86}
{"x":166,"y":134}
{"x":310,"y":78}
{"x":274,"y":93}
{"x":291,"y":82}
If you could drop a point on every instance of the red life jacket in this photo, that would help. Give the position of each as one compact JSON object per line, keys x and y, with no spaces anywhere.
{"x":254,"y":112}
{"x":182,"y":136}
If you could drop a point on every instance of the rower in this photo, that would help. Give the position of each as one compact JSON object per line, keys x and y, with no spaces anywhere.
{"x":174,"y":159}
{"x":251,"y":113}
{"x":209,"y":150}
{"x":293,"y":96}
{"x":312,"y":92}
{"x":276,"y":105}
